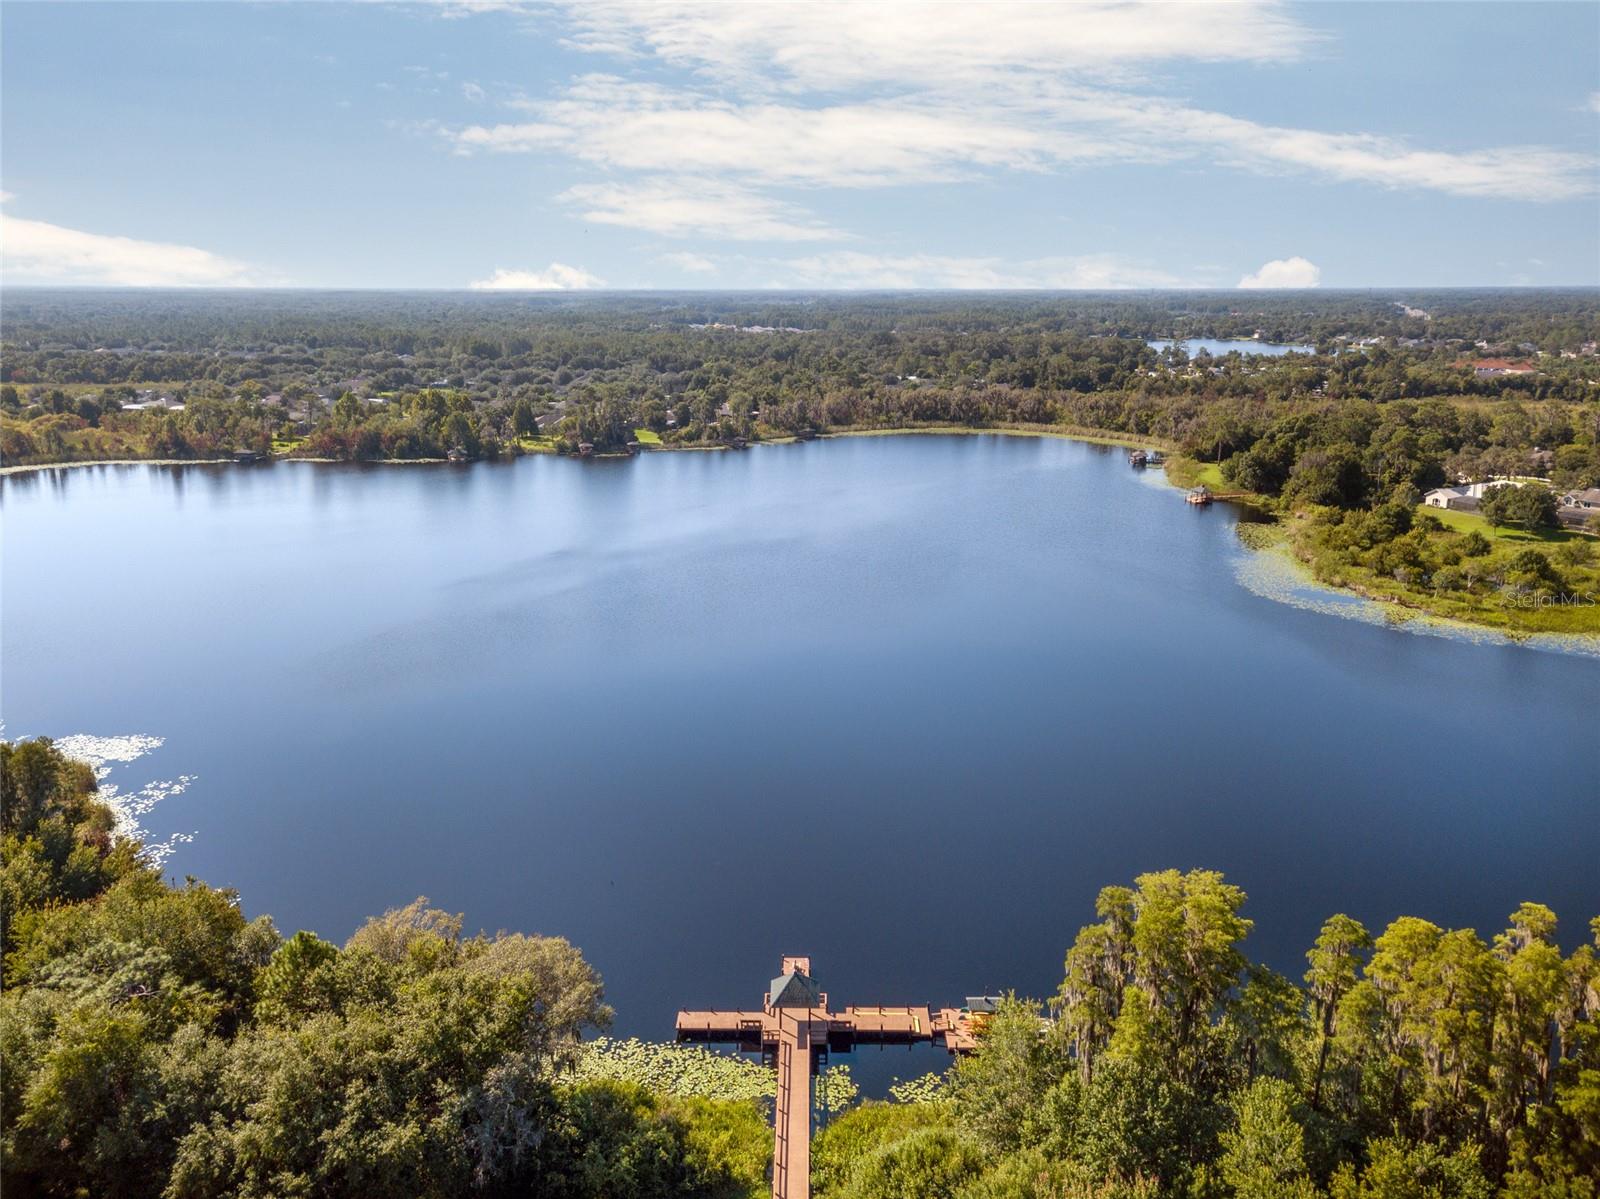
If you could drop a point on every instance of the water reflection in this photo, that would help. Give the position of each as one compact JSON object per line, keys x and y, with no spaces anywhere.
{"x":964,"y":681}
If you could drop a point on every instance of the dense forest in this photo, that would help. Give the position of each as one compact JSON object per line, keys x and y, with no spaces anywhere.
{"x":155,"y":1042}
{"x":398,"y":375}
{"x":1397,"y":394}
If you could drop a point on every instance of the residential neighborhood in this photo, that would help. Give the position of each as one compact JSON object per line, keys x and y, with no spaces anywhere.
{"x":1574,"y":508}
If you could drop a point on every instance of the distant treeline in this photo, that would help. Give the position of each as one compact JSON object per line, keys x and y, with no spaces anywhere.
{"x":494,"y":326}
{"x":156,"y":1043}
{"x":260,"y":368}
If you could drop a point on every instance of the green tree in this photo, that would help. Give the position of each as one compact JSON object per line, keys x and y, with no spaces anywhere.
{"x":1330,"y":475}
{"x":524,"y":421}
{"x":1186,"y":936}
{"x":1263,"y":1153}
{"x":1132,"y":1120}
{"x":1531,"y":570}
{"x":1531,"y":505}
{"x":1265,"y":1025}
{"x":299,"y":979}
{"x":1400,"y":1170}
{"x":1335,"y":966}
{"x":1154,"y":979}
{"x":929,"y":1163}
{"x":1555,"y":1152}
{"x":1099,"y":967}
{"x":997,"y":1090}
{"x":861,"y":1132}
{"x":86,"y":1123}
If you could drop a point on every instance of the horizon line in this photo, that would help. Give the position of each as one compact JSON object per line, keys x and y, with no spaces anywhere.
{"x":564,"y":292}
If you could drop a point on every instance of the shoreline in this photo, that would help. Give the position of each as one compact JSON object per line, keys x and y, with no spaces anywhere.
{"x":1352,"y":602}
{"x":33,"y":466}
{"x":1274,"y":572}
{"x":1089,"y":436}
{"x":37,"y":466}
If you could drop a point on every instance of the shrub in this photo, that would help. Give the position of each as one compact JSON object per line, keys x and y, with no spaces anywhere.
{"x":930,"y":1163}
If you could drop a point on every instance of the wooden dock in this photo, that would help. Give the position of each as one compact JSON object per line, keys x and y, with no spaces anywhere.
{"x":794,"y":1031}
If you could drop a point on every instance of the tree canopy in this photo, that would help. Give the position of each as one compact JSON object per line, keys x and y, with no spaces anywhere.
{"x":155,"y":1042}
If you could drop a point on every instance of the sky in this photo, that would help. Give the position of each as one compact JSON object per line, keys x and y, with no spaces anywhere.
{"x":628,"y":144}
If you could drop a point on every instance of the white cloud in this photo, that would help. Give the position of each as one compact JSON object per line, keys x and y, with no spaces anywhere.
{"x":698,"y":264}
{"x":840,"y":94}
{"x":1594,"y":102}
{"x":836,"y":44}
{"x":1284,"y":272}
{"x":1018,"y":124}
{"x":504,"y":139}
{"x":646,"y":127}
{"x":965,"y":88}
{"x":558,"y":276}
{"x":853,"y":270}
{"x":473,"y":92}
{"x":468,"y":8}
{"x":1506,"y":172}
{"x":710,"y":207}
{"x":38,"y":252}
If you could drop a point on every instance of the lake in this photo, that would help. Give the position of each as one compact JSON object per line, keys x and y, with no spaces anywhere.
{"x":903,"y":703}
{"x":1217,"y":348}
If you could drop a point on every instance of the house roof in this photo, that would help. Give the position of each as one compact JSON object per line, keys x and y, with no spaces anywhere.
{"x":1589,"y":495}
{"x":794,"y":990}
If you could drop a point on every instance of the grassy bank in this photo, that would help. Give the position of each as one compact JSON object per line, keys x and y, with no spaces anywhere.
{"x":1187,"y":473}
{"x":1433,"y":567}
{"x":1064,"y":432}
{"x":1451,"y":577}
{"x":1468,"y":522}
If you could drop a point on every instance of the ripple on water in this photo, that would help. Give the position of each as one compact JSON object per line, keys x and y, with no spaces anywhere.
{"x":106,"y":754}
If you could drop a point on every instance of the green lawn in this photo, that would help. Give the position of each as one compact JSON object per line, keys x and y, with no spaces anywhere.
{"x":1469,"y":522}
{"x":1186,"y":472}
{"x":647,"y":437}
{"x":81,"y":389}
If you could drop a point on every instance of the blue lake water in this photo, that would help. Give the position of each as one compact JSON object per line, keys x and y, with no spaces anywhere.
{"x":902,"y":703}
{"x":1217,"y":348}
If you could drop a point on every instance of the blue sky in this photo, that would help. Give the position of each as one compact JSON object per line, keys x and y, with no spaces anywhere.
{"x":675,"y":145}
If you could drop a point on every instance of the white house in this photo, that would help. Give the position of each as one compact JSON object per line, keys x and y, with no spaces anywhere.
{"x":1466,"y":496}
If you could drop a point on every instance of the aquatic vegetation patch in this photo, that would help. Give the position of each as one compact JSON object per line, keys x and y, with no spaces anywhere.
{"x":682,"y":1071}
{"x":105,"y":754}
{"x":691,"y":1072}
{"x":1272,"y":573}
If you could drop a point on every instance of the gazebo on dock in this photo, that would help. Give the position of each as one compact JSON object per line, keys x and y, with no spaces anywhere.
{"x":795,"y":1031}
